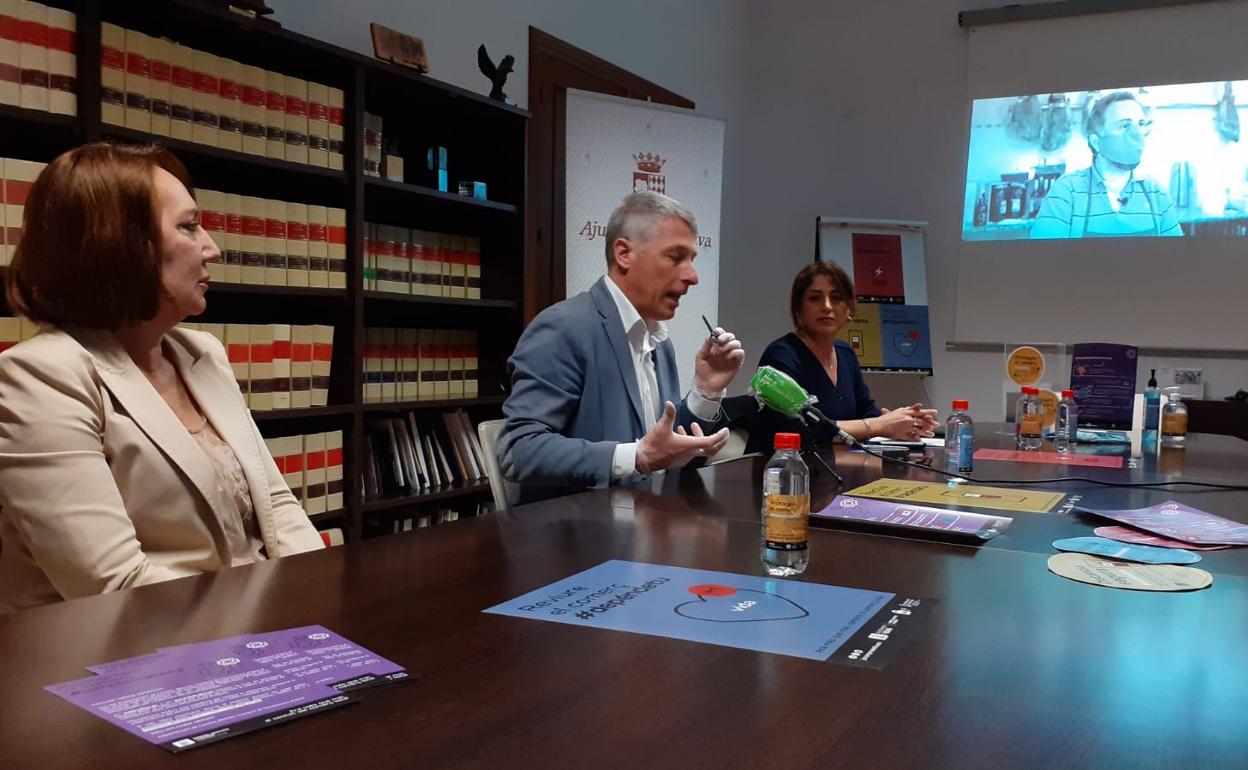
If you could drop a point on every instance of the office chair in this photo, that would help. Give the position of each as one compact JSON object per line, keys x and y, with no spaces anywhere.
{"x":505,"y":492}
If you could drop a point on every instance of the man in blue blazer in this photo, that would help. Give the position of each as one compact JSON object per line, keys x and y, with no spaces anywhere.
{"x":594,"y":378}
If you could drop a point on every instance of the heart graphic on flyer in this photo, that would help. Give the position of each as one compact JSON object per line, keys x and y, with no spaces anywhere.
{"x":725,"y":604}
{"x":906,"y":342}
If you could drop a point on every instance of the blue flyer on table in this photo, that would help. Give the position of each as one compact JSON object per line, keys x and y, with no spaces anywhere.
{"x":785,"y":617}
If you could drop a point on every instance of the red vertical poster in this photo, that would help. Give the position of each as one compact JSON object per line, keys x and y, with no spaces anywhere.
{"x":877,"y":268}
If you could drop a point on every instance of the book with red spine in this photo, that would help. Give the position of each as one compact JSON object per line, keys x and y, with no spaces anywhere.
{"x":322,"y":358}
{"x":295,"y":125}
{"x":206,"y":99}
{"x":10,"y":52}
{"x":297,"y":264}
{"x":232,"y":249}
{"x":336,"y":233}
{"x":62,"y":62}
{"x":33,"y":56}
{"x":252,"y":99}
{"x":335,"y":110}
{"x":274,"y":115}
{"x":318,"y":246}
{"x":182,"y":93}
{"x":112,"y":74}
{"x":281,"y":366}
{"x":230,"y":104}
{"x":302,"y":339}
{"x":161,"y":53}
{"x":260,"y":367}
{"x":318,"y":125}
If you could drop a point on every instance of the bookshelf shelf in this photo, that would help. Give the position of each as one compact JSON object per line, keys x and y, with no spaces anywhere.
{"x":451,"y":403}
{"x":416,"y":299}
{"x":38,"y":117}
{"x":485,"y":140}
{"x":208,"y":153}
{"x":414,"y":190}
{"x":444,"y":492}
{"x":276,"y":291}
{"x":280,"y":415}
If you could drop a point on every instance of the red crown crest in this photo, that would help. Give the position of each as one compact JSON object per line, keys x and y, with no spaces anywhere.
{"x":651,"y":163}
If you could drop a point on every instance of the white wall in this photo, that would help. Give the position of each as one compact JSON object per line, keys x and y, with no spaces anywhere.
{"x":837,"y":108}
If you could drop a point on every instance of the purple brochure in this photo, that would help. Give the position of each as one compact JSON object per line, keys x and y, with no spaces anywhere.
{"x":908,"y":516}
{"x":1180,"y":522}
{"x":1103,"y":378}
{"x":181,"y":700}
{"x":308,"y":653}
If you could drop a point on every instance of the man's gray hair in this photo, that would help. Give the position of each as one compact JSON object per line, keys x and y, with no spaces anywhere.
{"x":639,"y":214}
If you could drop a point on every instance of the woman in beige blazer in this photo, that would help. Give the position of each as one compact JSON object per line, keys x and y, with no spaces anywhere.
{"x":127,"y":453}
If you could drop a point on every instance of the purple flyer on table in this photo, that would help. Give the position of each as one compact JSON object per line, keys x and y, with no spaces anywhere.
{"x":908,"y":516}
{"x":309,"y":653}
{"x":180,"y":701}
{"x":1103,"y":378}
{"x":1180,"y":522}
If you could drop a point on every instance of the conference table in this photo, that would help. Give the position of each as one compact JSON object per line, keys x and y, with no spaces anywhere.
{"x":1013,"y":667}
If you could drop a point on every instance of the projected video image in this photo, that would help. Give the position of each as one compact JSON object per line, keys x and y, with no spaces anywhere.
{"x":1145,"y":161}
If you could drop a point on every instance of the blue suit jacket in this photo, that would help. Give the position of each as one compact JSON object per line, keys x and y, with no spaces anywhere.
{"x":574,"y":397}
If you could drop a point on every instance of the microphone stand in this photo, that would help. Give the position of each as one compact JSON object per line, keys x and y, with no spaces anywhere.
{"x":812,"y":415}
{"x":813,"y":452}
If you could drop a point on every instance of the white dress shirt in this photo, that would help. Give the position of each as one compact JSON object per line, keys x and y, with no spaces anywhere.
{"x":642,"y":341}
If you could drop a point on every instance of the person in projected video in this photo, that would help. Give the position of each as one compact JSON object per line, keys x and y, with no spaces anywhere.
{"x":1107,"y":199}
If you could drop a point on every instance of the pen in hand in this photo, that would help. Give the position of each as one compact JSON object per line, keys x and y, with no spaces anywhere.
{"x":710,"y":329}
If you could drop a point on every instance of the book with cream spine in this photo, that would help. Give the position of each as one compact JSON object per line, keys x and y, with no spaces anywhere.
{"x":62,"y":62}
{"x":33,"y":56}
{"x":206,"y":99}
{"x":182,"y":93}
{"x":281,"y":366}
{"x":252,"y":101}
{"x":112,"y":74}
{"x":337,"y":248}
{"x":296,"y":120}
{"x":322,"y":359}
{"x":160,"y":52}
{"x":302,"y":339}
{"x":230,"y":102}
{"x":297,"y":265}
{"x":233,"y":246}
{"x":261,"y":367}
{"x":318,"y":246}
{"x":251,"y":271}
{"x":275,"y":243}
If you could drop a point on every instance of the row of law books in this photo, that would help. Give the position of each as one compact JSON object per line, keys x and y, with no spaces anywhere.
{"x":311,"y":464}
{"x":14,"y":330}
{"x":275,"y":243}
{"x":419,"y":365}
{"x":277,"y":366}
{"x":161,"y":87}
{"x":403,"y":261}
{"x":408,"y":454}
{"x":38,"y":57}
{"x":422,"y":520}
{"x":16,"y":178}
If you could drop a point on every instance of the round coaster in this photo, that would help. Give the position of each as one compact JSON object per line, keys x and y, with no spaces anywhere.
{"x":1134,"y":577}
{"x":1112,"y":549}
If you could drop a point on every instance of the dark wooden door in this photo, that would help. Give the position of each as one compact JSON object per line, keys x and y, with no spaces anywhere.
{"x":554,"y":67}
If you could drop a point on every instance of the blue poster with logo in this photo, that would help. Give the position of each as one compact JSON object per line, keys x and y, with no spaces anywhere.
{"x":905,"y":339}
{"x":784,"y":617}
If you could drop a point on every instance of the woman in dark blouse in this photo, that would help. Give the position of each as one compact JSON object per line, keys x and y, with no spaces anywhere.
{"x":820,"y":303}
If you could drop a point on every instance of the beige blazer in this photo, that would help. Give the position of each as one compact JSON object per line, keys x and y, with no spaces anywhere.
{"x":101,"y":487}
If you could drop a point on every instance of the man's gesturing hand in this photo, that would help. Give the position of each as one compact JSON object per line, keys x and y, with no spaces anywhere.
{"x":664,"y":448}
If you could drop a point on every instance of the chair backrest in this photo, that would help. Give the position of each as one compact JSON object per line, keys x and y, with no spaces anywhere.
{"x":505,"y":492}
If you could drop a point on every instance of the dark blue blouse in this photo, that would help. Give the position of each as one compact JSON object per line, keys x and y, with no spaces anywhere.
{"x":848,"y":399}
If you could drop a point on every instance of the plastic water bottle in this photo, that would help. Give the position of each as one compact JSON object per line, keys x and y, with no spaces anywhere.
{"x":1029,"y":419}
{"x":960,"y":439}
{"x":1065,"y":435}
{"x":1174,"y":420}
{"x":786,"y":509}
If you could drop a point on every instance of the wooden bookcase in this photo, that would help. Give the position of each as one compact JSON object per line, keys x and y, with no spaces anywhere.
{"x":485,"y":141}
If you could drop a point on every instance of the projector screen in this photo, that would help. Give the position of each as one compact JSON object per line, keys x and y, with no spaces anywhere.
{"x":1107,"y":180}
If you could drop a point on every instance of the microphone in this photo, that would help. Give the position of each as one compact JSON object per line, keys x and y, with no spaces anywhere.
{"x":779,"y":392}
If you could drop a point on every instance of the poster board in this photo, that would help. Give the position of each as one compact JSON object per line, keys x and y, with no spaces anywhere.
{"x":890,"y":332}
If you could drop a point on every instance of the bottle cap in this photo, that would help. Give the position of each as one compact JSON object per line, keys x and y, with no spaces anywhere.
{"x":961,"y":405}
{"x":1068,"y":394}
{"x":1031,"y":391}
{"x":788,"y":441}
{"x":1152,"y":378}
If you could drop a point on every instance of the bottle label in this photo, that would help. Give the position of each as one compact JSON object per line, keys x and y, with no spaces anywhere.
{"x":1174,"y":425}
{"x":786,"y":520}
{"x":966,"y":448}
{"x":1031,"y":425}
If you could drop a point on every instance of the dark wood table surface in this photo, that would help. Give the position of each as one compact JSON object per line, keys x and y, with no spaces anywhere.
{"x":1016,"y":667}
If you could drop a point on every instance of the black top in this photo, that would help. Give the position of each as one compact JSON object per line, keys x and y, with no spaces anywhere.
{"x":848,"y":399}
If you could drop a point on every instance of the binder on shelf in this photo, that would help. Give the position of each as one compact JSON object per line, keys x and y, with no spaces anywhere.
{"x":336,"y":106}
{"x":322,"y":358}
{"x":260,"y":363}
{"x":318,"y":125}
{"x":62,"y":62}
{"x":275,"y":115}
{"x":389,"y":365}
{"x":253,"y":242}
{"x":333,"y":471}
{"x":406,"y":454}
{"x":372,"y":365}
{"x":233,"y":246}
{"x":182,"y":94}
{"x":212,"y":217}
{"x":230,"y":103}
{"x":205,"y":99}
{"x":252,"y":101}
{"x":293,"y":467}
{"x":409,"y":365}
{"x":434,"y":468}
{"x":302,"y":338}
{"x":238,"y":351}
{"x":112,"y":74}
{"x":160,"y":51}
{"x":337,"y":248}
{"x":297,"y":264}
{"x":422,"y":461}
{"x":314,"y":476}
{"x":281,"y":366}
{"x":318,"y":246}
{"x":10,"y":52}
{"x":472,"y":269}
{"x":274,"y":243}
{"x":33,"y":56}
{"x":296,"y":120}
